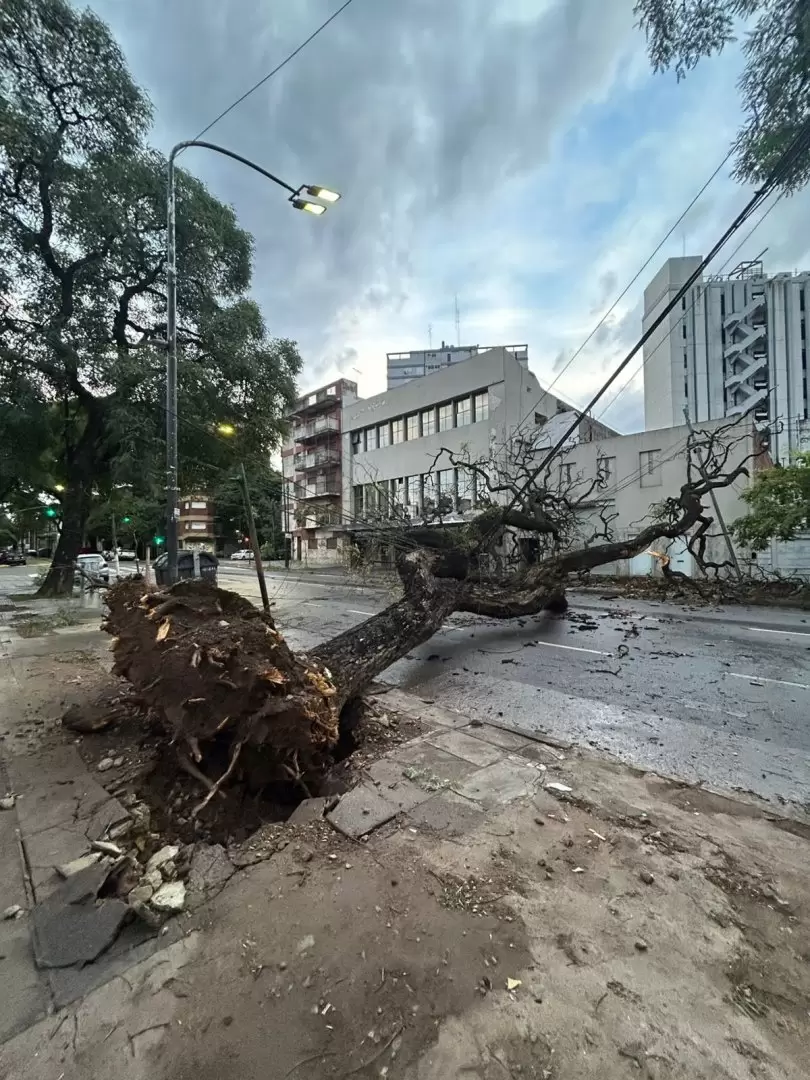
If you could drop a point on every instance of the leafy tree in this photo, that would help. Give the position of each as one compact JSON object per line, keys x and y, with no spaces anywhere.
{"x":264,"y":486}
{"x":779,"y":502}
{"x":82,"y":309}
{"x":775,"y":85}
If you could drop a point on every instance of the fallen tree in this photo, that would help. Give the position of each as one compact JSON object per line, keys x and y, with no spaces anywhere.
{"x":237,"y":701}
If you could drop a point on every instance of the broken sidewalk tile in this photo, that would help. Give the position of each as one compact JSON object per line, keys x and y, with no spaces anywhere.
{"x":404,"y":785}
{"x":448,"y":814}
{"x":432,"y":761}
{"x":209,"y":871}
{"x":361,"y":811}
{"x":106,"y":818}
{"x":54,"y":788}
{"x":500,"y":783}
{"x":309,"y":810}
{"x":555,"y":785}
{"x":164,"y":855}
{"x":52,"y":847}
{"x":71,"y":926}
{"x":68,"y":869}
{"x":465,"y":746}
{"x":13,"y":912}
{"x":170,"y":897}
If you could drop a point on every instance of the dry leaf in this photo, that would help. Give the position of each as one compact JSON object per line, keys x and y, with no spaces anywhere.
{"x":196,"y":657}
{"x":163,"y":630}
{"x":273,"y":675}
{"x":513,"y":984}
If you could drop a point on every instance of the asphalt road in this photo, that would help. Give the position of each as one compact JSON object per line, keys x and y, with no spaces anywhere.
{"x":720,"y":695}
{"x":714,"y":695}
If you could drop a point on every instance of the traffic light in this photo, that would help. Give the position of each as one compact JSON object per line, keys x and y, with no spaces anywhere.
{"x":50,"y":512}
{"x":159,"y":540}
{"x":126,"y":520}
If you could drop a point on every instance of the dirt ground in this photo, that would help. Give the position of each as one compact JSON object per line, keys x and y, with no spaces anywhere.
{"x":632,"y":927}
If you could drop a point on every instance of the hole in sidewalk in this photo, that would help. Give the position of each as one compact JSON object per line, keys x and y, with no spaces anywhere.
{"x":256,"y":796}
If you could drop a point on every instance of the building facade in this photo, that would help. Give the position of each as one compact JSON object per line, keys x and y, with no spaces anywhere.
{"x":196,"y":526}
{"x":395,"y":460}
{"x":404,"y":366}
{"x":311,"y":465}
{"x":735,"y":344}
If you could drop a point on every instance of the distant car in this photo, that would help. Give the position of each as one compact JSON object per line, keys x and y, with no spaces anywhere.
{"x":12,"y":558}
{"x":31,"y":553}
{"x":243,"y":553}
{"x":125,"y":555}
{"x":94,"y":567}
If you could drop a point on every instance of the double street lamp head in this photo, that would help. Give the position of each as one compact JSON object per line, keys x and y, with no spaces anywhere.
{"x":326,"y":195}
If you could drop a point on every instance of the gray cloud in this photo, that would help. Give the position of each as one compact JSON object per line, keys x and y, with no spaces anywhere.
{"x":416,"y":111}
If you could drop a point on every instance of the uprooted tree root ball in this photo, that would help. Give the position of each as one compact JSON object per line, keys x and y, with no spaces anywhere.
{"x":221,"y":680}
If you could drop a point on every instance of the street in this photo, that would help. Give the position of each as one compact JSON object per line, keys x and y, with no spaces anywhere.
{"x":719,"y":696}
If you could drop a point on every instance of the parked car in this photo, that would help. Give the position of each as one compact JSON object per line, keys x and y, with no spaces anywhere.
{"x":94,"y":567}
{"x":12,"y":558}
{"x":242,"y":553}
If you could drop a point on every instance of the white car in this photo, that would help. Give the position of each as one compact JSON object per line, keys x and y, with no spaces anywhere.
{"x":243,"y":553}
{"x":94,"y":567}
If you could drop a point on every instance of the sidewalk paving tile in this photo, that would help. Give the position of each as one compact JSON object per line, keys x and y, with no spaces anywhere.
{"x":395,"y":787}
{"x":501,"y":783}
{"x":467,"y":747}
{"x":448,"y":814}
{"x":360,"y":811}
{"x":49,"y":848}
{"x":506,"y":740}
{"x":433,"y":762}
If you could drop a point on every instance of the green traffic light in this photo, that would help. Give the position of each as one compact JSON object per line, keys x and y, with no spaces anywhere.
{"x":160,"y":540}
{"x":126,"y":520}
{"x":50,"y":512}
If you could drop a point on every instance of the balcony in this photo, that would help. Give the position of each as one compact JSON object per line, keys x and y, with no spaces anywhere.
{"x":318,"y":489}
{"x":322,"y":426}
{"x":310,"y":404}
{"x":316,"y":460}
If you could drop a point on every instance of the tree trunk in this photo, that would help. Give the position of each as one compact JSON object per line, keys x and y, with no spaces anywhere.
{"x":76,"y":505}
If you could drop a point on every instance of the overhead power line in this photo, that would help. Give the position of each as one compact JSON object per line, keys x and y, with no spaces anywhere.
{"x":275,"y":70}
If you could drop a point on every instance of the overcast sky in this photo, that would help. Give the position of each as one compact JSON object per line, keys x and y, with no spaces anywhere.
{"x":517,"y":154}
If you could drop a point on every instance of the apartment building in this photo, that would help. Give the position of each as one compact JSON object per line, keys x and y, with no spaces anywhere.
{"x":736,"y":343}
{"x":311,"y":465}
{"x":395,"y":444}
{"x":196,"y":527}
{"x":404,"y":366}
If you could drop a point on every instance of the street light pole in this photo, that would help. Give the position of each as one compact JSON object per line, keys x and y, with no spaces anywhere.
{"x":172,"y":464}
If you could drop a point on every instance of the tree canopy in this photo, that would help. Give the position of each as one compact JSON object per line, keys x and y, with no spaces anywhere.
{"x":779,"y":505}
{"x":82,"y":268}
{"x":775,"y":83}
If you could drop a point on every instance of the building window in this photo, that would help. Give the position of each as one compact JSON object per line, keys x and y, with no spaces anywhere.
{"x":649,"y":462}
{"x":565,"y":474}
{"x":370,"y":498}
{"x":357,"y":501}
{"x":446,"y":483}
{"x":481,"y":406}
{"x":384,"y":435}
{"x":445,"y":417}
{"x":312,"y":543}
{"x":465,"y":488}
{"x":398,"y":430}
{"x":463,"y":412}
{"x":606,"y":471}
{"x":412,"y":492}
{"x":428,"y":491}
{"x":332,"y":391}
{"x":331,"y":543}
{"x":371,"y":438}
{"x":412,"y":424}
{"x":683,"y":331}
{"x":357,"y":441}
{"x":428,"y":422}
{"x":198,"y":506}
{"x":198,"y":526}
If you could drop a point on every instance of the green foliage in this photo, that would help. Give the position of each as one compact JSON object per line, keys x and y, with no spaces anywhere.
{"x":82,"y":284}
{"x":775,"y":87}
{"x":779,"y":505}
{"x":264,"y":485}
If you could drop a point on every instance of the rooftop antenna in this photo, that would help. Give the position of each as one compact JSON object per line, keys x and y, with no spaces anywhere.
{"x":458,"y":322}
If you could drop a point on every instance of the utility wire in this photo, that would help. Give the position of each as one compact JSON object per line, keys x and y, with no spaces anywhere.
{"x":275,"y":70}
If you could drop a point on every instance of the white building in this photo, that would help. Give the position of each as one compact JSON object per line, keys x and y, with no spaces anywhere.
{"x":734,"y":343}
{"x":393,"y":443}
{"x":404,"y":366}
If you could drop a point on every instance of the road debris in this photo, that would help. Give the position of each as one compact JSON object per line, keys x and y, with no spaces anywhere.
{"x":7,"y":802}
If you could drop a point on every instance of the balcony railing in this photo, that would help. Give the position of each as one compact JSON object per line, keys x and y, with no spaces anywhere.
{"x":316,"y":460}
{"x":324,"y":424}
{"x":318,"y":489}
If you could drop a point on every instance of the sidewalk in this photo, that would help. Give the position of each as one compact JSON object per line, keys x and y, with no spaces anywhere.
{"x":482,"y":904}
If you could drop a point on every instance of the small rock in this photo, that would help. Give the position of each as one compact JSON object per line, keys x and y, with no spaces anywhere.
{"x":170,"y":897}
{"x":164,"y":855}
{"x":140,"y":894}
{"x":13,"y":912}
{"x":640,"y":945}
{"x":555,"y":785}
{"x":647,"y":877}
{"x":7,"y":802}
{"x":118,"y":762}
{"x":68,"y":869}
{"x":282,"y":965}
{"x":153,"y":879}
{"x":305,"y":943}
{"x":168,"y":870}
{"x":105,"y":764}
{"x":106,"y":848}
{"x":539,"y":821}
